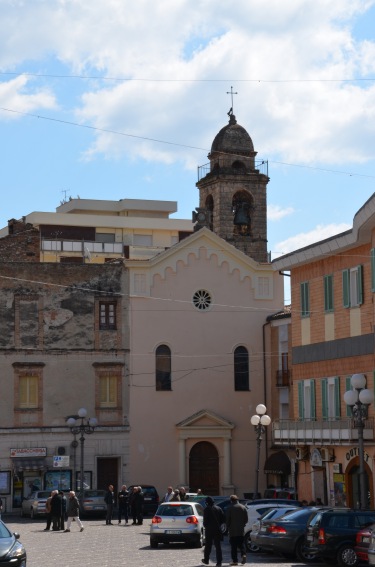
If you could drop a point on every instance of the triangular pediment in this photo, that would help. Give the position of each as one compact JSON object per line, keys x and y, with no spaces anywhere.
{"x":202,"y":239}
{"x":205,"y":419}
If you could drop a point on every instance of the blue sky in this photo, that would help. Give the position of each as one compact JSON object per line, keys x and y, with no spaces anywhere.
{"x":304,"y":71}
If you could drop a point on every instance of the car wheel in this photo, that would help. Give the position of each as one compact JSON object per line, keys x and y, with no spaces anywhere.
{"x":250,"y":546}
{"x":153,"y":543}
{"x":347,"y":557}
{"x":302,"y":552}
{"x":32,"y":513}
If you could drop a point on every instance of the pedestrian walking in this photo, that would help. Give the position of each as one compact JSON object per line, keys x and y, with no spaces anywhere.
{"x":213,"y":518}
{"x":168,"y":495}
{"x":236,"y":521}
{"x":123,"y":504}
{"x":110,"y":501}
{"x":73,"y":511}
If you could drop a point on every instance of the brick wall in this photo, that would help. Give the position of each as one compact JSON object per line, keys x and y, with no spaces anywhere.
{"x":22,"y":243}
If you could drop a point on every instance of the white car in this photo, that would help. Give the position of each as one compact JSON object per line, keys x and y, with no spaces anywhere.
{"x":254,"y":512}
{"x":178,"y":522}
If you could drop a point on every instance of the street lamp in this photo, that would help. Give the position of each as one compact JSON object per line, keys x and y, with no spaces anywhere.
{"x":260,"y":421}
{"x":82,"y":425}
{"x":359,"y":400}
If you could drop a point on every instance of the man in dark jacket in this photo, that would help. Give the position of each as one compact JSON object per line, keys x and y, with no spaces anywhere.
{"x":236,"y":522}
{"x":213,"y":518}
{"x":110,"y":501}
{"x":138,"y":505}
{"x":56,"y":507}
{"x":123,"y":504}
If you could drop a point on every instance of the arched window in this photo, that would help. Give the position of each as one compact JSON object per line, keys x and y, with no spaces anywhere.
{"x":241,"y":369}
{"x":163,"y":368}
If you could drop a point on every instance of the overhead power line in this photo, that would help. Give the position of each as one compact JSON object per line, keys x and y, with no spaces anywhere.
{"x":118,"y":133}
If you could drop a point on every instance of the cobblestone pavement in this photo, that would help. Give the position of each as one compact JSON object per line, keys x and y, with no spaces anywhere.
{"x":103,"y":546}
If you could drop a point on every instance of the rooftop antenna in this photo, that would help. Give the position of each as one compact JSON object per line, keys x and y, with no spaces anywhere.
{"x":231,"y":95}
{"x":65,"y":191}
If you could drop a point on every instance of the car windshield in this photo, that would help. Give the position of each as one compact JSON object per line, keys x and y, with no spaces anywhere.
{"x":94,"y":493}
{"x":44,"y":494}
{"x":298,"y":514}
{"x":176,"y":510}
{"x":4,"y":532}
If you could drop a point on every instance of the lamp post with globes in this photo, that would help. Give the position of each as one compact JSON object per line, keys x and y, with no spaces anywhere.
{"x":81,"y":426}
{"x":260,"y":420}
{"x":359,"y":399}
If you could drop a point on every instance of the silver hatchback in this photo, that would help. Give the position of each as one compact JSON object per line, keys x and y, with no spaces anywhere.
{"x":178,"y":522}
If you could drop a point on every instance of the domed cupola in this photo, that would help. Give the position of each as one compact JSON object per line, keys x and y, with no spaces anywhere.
{"x":233,"y":193}
{"x":233,"y":139}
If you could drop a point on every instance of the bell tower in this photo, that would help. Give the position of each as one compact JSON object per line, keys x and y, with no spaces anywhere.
{"x":233,"y":192}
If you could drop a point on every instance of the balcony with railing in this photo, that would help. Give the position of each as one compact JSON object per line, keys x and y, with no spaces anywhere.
{"x":261,"y":166}
{"x":283,"y":378}
{"x":81,"y":246}
{"x":319,"y":432}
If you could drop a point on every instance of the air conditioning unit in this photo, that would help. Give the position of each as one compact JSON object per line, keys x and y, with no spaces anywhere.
{"x":302,"y":453}
{"x":60,"y":451}
{"x":327,"y":454}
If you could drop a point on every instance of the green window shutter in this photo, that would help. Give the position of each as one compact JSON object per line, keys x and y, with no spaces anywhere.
{"x":360,"y":285}
{"x":301,"y":409}
{"x":372,"y":256}
{"x":348,"y":386}
{"x":337,"y":397}
{"x":346,"y":288}
{"x":312,"y":401}
{"x":324,"y":398}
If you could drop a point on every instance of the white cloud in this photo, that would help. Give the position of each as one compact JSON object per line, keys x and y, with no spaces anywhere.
{"x":320,"y":232}
{"x":177,"y":43}
{"x":13,"y":95}
{"x":275,"y":212}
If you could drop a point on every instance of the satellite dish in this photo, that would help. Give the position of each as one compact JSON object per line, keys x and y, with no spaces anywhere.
{"x":87,"y":254}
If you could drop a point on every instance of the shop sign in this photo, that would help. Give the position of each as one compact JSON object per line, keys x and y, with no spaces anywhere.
{"x":354,"y":452}
{"x":60,"y":461}
{"x":316,"y":458}
{"x":28,"y":452}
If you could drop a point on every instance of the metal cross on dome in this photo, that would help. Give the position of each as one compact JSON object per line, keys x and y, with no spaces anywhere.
{"x":231,"y":94}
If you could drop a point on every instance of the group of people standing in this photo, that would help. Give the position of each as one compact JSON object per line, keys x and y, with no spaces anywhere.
{"x":215,"y":522}
{"x":130,"y":504}
{"x":59,"y":508}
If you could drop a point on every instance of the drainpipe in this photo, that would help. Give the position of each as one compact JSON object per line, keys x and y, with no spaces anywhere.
{"x":265,"y":376}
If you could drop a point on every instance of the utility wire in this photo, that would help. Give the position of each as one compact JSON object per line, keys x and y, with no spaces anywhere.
{"x":118,"y":133}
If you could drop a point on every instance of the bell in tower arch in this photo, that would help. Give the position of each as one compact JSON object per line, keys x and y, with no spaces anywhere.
{"x":241,"y":213}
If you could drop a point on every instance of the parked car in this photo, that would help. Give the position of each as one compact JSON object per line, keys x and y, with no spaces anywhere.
{"x":286,"y":535}
{"x":12,"y":552}
{"x":178,"y":522}
{"x":254,"y":512}
{"x":331,"y":534}
{"x":93,"y":503}
{"x":35,"y":504}
{"x":362,"y":543}
{"x":151,"y":498}
{"x":288,"y":493}
{"x":272,"y":514}
{"x":371,"y":548}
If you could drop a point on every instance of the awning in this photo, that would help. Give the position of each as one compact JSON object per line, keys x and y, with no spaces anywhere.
{"x":29,"y":464}
{"x":277,"y":463}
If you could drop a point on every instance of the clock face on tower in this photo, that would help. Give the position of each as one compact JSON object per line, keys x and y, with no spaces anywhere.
{"x":201,"y":216}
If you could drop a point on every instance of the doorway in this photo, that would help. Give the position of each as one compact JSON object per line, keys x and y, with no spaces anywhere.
{"x":204,"y":468}
{"x":107,"y":472}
